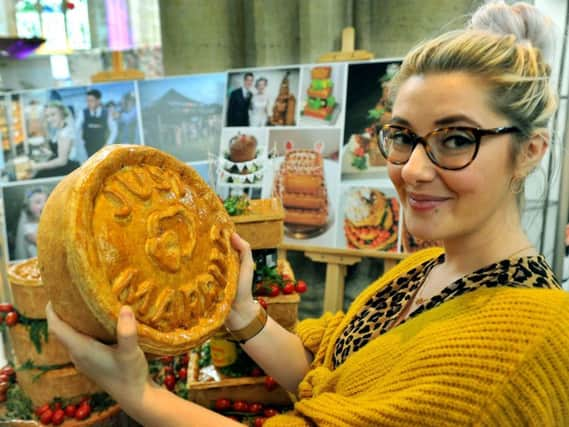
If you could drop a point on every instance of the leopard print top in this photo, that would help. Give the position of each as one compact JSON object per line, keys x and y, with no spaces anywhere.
{"x":382,"y":311}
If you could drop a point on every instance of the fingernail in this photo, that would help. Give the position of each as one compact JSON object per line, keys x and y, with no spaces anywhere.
{"x":126,"y":313}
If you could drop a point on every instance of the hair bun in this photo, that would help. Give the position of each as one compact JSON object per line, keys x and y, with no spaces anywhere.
{"x":522,"y":20}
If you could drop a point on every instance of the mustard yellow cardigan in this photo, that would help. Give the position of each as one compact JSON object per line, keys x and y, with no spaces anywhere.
{"x":492,"y":357}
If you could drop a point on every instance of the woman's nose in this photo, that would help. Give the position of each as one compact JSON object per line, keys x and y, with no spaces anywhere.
{"x":419,"y":168}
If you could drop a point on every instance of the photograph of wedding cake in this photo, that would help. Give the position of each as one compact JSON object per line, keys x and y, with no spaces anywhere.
{"x":242,"y":157}
{"x":321,"y":100}
{"x":305,"y":176}
{"x":368,"y":106}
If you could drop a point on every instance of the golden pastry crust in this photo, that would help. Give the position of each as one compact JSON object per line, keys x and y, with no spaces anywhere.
{"x":26,"y":273}
{"x":143,"y":229}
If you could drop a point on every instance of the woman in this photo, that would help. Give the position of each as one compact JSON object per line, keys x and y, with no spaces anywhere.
{"x":475,"y":335}
{"x":27,"y":231}
{"x":259,"y":112}
{"x":61,"y":143}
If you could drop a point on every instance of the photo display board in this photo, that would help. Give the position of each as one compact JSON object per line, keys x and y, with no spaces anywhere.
{"x":305,"y":134}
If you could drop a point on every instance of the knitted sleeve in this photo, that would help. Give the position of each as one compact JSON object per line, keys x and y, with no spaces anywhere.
{"x":539,"y":392}
{"x":315,"y":334}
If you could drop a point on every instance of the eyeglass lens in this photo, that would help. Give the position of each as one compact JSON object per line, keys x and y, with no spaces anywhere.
{"x":451,"y":148}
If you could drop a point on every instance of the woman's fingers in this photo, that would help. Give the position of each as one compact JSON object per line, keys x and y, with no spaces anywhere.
{"x":247,"y":265}
{"x":127,"y":336}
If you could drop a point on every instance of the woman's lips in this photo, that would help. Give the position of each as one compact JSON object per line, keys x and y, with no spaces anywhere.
{"x":425,"y":202}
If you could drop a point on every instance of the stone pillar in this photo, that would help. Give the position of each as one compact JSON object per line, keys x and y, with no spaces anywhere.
{"x":7,"y":18}
{"x":98,"y":24}
{"x":201,"y":36}
{"x":390,"y":28}
{"x":271,"y":32}
{"x":321,"y":24}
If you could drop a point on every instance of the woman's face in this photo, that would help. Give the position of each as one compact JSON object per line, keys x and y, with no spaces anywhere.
{"x":442,"y":204}
{"x":53,"y":116}
{"x":261,"y":86}
{"x":36,"y":204}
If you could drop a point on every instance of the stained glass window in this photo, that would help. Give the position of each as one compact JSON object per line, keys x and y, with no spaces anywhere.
{"x":64,"y":24}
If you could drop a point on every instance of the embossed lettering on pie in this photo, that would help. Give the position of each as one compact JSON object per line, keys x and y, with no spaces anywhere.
{"x":135,"y":226}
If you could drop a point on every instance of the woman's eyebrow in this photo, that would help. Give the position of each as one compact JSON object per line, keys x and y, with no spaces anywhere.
{"x":445,"y":121}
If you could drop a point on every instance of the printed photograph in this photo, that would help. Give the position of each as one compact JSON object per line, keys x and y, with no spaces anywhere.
{"x":322,"y":95}
{"x":367,"y":106}
{"x":183,"y":115}
{"x":56,"y":130}
{"x":262,"y":97}
{"x":369,"y":217}
{"x":305,"y":176}
{"x":242,"y":160}
{"x":23,"y":205}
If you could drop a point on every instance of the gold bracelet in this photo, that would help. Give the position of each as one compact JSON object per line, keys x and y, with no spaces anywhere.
{"x":252,"y":329}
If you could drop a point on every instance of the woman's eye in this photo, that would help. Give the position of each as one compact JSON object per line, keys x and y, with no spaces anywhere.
{"x":457,"y":141}
{"x":401,"y":138}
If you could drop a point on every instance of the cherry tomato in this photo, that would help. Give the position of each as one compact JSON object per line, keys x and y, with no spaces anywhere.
{"x":4,"y":386}
{"x":270,"y":412}
{"x":6,"y":307}
{"x":259,"y":421}
{"x":8,"y":370}
{"x":41,"y":409}
{"x":46,"y":417}
{"x":288,"y":288}
{"x":84,"y":399}
{"x":56,"y":406}
{"x":260,"y":289}
{"x":222,"y":404}
{"x":240,"y":406}
{"x":3,"y":397}
{"x":270,"y":383}
{"x":256,"y":408}
{"x":185,"y":360}
{"x":83,"y":412}
{"x":183,"y":373}
{"x":286,"y":277}
{"x":262,"y":302}
{"x":275,"y":291}
{"x":167,"y":359}
{"x":4,"y":378}
{"x":70,"y":410}
{"x":256,"y":372}
{"x":168,"y":370}
{"x":170,"y":382}
{"x":301,"y":287}
{"x":58,"y":417}
{"x":11,"y":318}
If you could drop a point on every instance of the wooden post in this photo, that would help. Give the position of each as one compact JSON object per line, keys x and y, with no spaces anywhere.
{"x":348,"y":52}
{"x":336,"y":261}
{"x":335,"y":277}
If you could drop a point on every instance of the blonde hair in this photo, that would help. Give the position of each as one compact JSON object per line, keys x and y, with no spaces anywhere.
{"x":504,"y":46}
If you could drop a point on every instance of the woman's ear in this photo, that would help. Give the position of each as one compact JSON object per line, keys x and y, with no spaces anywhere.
{"x":531,"y":153}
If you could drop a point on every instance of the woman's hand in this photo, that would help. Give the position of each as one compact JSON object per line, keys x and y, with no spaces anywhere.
{"x":121,"y":370}
{"x":243,"y":309}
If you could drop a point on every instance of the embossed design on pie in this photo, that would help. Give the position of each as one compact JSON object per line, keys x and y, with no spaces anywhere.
{"x":150,"y":206}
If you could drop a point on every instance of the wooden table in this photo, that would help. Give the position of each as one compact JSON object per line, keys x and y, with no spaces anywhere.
{"x":337,"y":261}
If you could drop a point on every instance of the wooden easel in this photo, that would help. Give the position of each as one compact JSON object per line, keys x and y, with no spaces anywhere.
{"x":118,"y":73}
{"x":348,"y":52}
{"x":337,"y":261}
